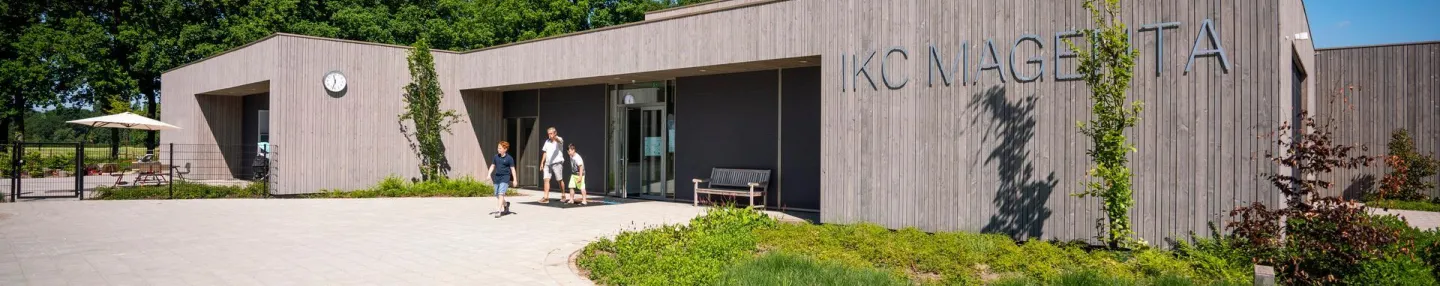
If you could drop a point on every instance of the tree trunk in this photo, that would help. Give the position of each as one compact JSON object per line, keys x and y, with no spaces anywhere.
{"x":114,"y":143}
{"x":150,"y":140}
{"x":5,"y":130}
{"x":21,"y":106}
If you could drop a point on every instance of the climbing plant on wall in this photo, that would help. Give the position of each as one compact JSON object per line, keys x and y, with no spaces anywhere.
{"x":427,"y":120}
{"x":1106,"y":65}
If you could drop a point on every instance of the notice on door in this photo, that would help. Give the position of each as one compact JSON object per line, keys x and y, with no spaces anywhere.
{"x":653,"y":146}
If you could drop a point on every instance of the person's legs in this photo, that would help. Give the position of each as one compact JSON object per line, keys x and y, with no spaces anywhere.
{"x":500,"y":189}
{"x":584,"y":197}
{"x":546,"y":171}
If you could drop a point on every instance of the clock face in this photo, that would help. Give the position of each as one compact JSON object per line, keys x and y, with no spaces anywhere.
{"x":335,"y":83}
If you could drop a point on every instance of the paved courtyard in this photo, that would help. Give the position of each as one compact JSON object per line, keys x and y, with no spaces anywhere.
{"x":419,"y":241}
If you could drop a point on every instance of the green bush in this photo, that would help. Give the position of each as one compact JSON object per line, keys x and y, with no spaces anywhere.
{"x":788,"y":269}
{"x":1403,"y":270}
{"x":1218,"y":257}
{"x":676,"y":254}
{"x":182,"y":190}
{"x":1410,"y":170}
{"x":396,"y":187}
{"x":722,"y":245}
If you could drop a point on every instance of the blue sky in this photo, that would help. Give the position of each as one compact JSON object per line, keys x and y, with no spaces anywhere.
{"x":1338,"y":23}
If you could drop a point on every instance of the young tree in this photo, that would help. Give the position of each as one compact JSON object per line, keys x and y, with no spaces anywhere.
{"x":1410,"y":169}
{"x":427,"y":121}
{"x":1107,"y":67}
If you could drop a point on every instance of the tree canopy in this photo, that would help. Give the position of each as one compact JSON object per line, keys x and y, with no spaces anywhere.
{"x":104,"y":55}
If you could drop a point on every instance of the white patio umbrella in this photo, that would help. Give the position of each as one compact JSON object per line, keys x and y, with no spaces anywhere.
{"x":125,"y":120}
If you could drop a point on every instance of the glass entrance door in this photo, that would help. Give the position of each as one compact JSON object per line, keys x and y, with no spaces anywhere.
{"x":647,"y":154}
{"x":640,"y":141}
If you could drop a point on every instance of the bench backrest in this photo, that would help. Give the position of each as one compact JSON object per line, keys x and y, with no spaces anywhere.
{"x":738,"y":177}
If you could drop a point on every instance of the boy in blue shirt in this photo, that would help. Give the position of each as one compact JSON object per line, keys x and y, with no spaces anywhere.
{"x":502,"y":175}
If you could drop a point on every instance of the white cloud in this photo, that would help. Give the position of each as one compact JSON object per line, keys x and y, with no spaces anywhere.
{"x":1343,"y":24}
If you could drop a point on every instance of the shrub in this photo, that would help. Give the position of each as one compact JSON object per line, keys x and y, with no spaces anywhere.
{"x":1407,"y":179}
{"x":182,"y":190}
{"x":1220,"y":257}
{"x":396,"y":187}
{"x":789,"y":269}
{"x":1403,"y":270}
{"x":676,"y":254}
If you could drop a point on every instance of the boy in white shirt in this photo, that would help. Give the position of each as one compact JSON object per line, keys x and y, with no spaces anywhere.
{"x":577,"y":177}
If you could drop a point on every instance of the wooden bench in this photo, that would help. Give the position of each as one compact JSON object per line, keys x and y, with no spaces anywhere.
{"x":735,"y":183}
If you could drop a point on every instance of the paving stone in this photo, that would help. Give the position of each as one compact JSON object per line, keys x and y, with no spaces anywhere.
{"x":403,"y":241}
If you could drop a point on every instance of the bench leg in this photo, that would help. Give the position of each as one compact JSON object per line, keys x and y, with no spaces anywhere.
{"x":696,"y":202}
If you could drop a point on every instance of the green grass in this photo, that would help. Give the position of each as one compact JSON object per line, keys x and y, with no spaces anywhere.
{"x":1404,"y":205}
{"x":391,"y":187}
{"x":92,"y":152}
{"x":789,"y":269}
{"x":723,"y":245}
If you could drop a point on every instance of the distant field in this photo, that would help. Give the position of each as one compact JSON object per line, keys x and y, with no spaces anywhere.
{"x":90,"y":152}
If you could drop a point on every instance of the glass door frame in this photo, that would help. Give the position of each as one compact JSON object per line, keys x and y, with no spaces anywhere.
{"x":661,"y":110}
{"x":618,"y":150}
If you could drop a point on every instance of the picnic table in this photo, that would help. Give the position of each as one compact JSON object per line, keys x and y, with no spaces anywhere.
{"x":146,"y":172}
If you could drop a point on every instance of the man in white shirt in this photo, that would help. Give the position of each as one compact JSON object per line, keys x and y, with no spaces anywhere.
{"x":552,"y":162}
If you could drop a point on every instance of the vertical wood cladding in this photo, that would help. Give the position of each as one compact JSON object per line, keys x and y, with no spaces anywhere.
{"x":1372,"y":91}
{"x":986,"y":152}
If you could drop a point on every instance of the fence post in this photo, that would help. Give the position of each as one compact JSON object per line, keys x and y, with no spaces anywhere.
{"x":172,"y":170}
{"x":18,"y":163}
{"x":80,"y":170}
{"x":14,"y":171}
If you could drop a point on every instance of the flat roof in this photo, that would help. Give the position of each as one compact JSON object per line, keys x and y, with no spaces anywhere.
{"x":577,"y":33}
{"x":1380,"y":45}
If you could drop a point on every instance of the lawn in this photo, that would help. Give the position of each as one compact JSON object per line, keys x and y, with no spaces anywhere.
{"x":1405,"y":205}
{"x":743,"y":247}
{"x":91,"y":152}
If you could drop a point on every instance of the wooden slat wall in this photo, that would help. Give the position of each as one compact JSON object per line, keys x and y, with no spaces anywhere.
{"x":1371,"y":92}
{"x":988,"y":156}
{"x":186,"y":106}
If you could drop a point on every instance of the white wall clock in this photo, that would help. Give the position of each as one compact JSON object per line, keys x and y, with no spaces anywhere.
{"x":335,"y":84}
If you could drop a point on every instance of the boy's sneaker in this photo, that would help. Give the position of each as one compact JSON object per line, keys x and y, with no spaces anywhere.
{"x":497,"y":214}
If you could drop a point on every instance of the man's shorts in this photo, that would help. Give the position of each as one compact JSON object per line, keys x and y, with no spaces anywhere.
{"x":576,"y":181}
{"x":500,"y":189}
{"x":554,"y":171}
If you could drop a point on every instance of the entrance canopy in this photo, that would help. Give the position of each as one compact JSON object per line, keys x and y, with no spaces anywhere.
{"x":125,"y":120}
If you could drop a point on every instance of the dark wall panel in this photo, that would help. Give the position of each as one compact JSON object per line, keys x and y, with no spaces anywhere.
{"x":521,"y":103}
{"x":800,"y":142}
{"x":251,"y":131}
{"x":578,"y":115}
{"x":726,"y":121}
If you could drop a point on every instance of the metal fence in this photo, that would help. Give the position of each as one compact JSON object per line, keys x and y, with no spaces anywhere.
{"x":37,"y":170}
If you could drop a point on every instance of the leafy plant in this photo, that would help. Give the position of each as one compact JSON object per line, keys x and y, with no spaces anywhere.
{"x":1107,"y":68}
{"x":1409,"y":170}
{"x":789,"y":269}
{"x":676,"y":254}
{"x":1324,"y":238}
{"x":396,"y":187}
{"x":182,"y":190}
{"x":422,"y":98}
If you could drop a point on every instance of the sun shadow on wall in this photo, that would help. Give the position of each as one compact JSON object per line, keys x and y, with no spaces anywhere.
{"x":1021,"y":198}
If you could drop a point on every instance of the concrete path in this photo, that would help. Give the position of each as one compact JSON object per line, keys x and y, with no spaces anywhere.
{"x":1418,"y":219}
{"x":420,"y":241}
